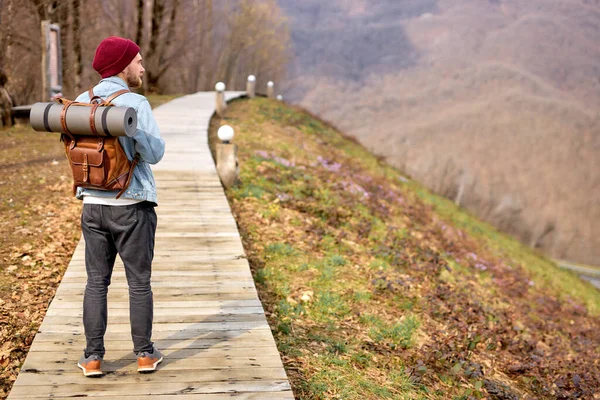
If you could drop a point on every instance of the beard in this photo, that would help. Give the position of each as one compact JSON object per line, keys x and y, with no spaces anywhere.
{"x":133,"y":80}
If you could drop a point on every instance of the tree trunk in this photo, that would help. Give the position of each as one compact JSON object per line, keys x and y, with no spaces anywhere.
{"x":60,"y":14}
{"x":5,"y":108}
{"x":3,"y":28}
{"x":193,"y":72}
{"x":205,"y":71}
{"x":158,"y":10}
{"x":140,"y":23}
{"x":41,"y":7}
{"x":170,"y":35}
{"x":7,"y":56}
{"x":76,"y":34}
{"x":160,"y":61}
{"x":122,"y":17}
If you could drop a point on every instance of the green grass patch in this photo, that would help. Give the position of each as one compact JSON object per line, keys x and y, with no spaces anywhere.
{"x":400,"y":334}
{"x":545,"y":273}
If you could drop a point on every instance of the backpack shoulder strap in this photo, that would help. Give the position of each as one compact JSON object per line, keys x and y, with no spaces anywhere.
{"x":115,"y":95}
{"x":93,"y":98}
{"x":109,"y":99}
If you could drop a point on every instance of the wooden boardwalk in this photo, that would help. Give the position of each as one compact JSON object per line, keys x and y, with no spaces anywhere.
{"x":208,"y":320}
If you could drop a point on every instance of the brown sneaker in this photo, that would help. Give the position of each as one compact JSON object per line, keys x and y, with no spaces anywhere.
{"x":91,"y":366}
{"x":147,"y":361}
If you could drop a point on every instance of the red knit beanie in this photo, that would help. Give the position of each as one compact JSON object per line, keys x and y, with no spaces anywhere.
{"x":113,"y":55}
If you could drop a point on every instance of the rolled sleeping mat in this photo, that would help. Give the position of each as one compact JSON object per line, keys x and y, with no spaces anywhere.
{"x":109,"y":121}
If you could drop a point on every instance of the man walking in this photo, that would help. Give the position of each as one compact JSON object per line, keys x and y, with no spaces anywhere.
{"x":126,"y":225}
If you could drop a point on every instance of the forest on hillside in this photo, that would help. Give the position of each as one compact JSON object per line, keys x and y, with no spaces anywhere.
{"x":492,"y":103}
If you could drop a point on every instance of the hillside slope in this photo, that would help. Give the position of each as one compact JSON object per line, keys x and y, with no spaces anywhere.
{"x":498,"y":96}
{"x":375,"y":288}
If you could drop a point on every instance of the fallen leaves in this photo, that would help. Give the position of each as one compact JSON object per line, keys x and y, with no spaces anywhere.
{"x":38,"y":233}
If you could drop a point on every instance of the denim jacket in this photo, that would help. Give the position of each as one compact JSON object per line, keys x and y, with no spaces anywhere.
{"x":146,"y":141}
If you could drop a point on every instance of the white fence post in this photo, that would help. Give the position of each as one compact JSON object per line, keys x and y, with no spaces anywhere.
{"x":227,"y":163}
{"x":271,"y":89}
{"x":251,"y":86}
{"x":52,"y":78}
{"x":221,"y":104}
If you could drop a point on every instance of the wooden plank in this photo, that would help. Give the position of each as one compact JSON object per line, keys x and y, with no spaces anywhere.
{"x":167,"y":327}
{"x":208,"y":272}
{"x":41,"y":365}
{"x":111,"y":344}
{"x":127,"y":377}
{"x":282,"y":395}
{"x":150,"y":388}
{"x":166,"y":304}
{"x":162,"y":268}
{"x":197,"y":209}
{"x":183,"y":308}
{"x":209,"y":234}
{"x":188,"y":282}
{"x":164,"y":296}
{"x":183,"y":335}
{"x":221,"y":290}
{"x":220,"y":265}
{"x":171,"y":354}
{"x":161,"y":319}
{"x":170,"y":248}
{"x":184,"y":257}
{"x":180,"y":311}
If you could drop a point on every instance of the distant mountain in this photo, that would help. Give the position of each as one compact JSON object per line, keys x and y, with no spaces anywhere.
{"x":493,"y":103}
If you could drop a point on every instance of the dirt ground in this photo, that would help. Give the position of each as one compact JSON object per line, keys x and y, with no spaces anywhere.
{"x":38,"y":233}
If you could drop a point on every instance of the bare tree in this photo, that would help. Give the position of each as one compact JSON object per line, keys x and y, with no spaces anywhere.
{"x":257,"y":41}
{"x":5,"y":102}
{"x":155,"y":55}
{"x":200,"y":75}
{"x":77,"y":51}
{"x":5,"y":31}
{"x":184,"y":51}
{"x":543,"y":229}
{"x":118,"y":13}
{"x":60,"y":13}
{"x":139,"y":33}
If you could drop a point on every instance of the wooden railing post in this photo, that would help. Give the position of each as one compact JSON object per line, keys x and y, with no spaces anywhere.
{"x":227,"y":163}
{"x":251,"y":86}
{"x":221,"y":104}
{"x":271,"y":89}
{"x":52,"y":78}
{"x":44,"y":27}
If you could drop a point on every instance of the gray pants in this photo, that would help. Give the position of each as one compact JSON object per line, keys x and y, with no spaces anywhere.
{"x":128,"y":231}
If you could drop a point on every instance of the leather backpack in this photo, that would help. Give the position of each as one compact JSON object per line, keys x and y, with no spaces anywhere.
{"x":97,"y":162}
